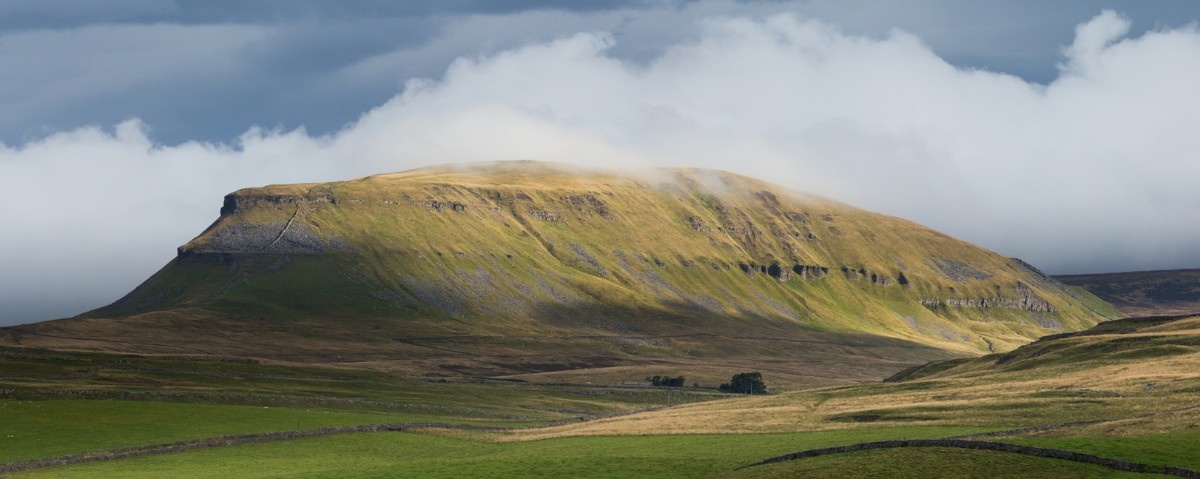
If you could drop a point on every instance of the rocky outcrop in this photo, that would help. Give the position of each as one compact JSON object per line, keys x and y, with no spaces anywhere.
{"x":698,"y":225}
{"x":960,"y":271}
{"x":1025,"y":300}
{"x":440,"y":206}
{"x":239,"y":202}
{"x":809,"y":271}
{"x":779,"y":272}
{"x":590,"y":204}
{"x":292,"y":237}
{"x":853,"y":274}
{"x":540,"y":213}
{"x":783,"y":272}
{"x":229,"y":235}
{"x":805,"y":272}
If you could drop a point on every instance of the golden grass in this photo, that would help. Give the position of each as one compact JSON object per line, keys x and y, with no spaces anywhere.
{"x":1132,"y":396}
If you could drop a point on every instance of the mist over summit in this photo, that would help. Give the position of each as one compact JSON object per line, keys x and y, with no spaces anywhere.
{"x":529,"y":268}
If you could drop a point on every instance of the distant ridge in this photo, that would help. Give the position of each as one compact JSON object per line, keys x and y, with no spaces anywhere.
{"x":1145,"y":293}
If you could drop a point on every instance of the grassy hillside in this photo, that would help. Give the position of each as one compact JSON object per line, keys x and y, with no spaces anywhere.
{"x":534,"y":271}
{"x":1132,"y":376}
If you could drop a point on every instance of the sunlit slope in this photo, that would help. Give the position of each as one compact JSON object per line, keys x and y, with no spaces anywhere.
{"x":525,"y":255}
{"x":1160,"y":349}
{"x":1120,"y":379}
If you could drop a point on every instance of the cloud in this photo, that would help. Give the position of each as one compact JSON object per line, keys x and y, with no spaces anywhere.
{"x":114,"y":72}
{"x":1090,"y":172}
{"x":206,"y":70}
{"x":1091,"y":39}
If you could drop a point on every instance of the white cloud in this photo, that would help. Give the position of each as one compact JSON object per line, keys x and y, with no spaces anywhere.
{"x":1091,"y":39}
{"x":1090,"y":172}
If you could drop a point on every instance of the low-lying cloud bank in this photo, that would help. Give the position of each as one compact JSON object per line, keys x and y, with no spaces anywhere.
{"x":1094,"y":171}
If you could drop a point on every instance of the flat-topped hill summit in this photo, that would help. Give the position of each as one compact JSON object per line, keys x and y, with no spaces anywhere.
{"x":543,"y":271}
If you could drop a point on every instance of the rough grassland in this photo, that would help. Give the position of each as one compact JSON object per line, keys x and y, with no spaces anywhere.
{"x":1138,"y":377}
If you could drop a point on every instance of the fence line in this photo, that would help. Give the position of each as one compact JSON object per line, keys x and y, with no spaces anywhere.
{"x":988,"y":446}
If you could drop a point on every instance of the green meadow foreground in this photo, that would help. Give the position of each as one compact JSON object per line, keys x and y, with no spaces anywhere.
{"x":1126,"y":390}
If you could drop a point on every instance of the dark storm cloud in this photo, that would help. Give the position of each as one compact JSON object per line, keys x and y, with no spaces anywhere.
{"x":321,"y":64}
{"x":36,"y":14}
{"x":272,"y":63}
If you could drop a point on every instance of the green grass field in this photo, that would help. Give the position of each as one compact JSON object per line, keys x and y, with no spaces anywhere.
{"x":431,"y":456}
{"x":932,"y":463}
{"x":37,"y":429}
{"x":58,"y":403}
{"x":672,"y":456}
{"x":1177,"y":448}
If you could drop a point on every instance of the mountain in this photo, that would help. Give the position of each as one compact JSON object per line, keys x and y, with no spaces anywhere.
{"x":544,"y":272}
{"x":1144,"y":293}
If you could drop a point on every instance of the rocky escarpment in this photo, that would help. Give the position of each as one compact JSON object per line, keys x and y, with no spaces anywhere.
{"x":272,"y":238}
{"x":1025,"y":299}
{"x":292,"y":236}
{"x":240,"y":202}
{"x":784,"y":272}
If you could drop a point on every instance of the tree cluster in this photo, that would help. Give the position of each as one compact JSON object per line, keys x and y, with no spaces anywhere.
{"x":668,"y":381}
{"x":745,"y":383}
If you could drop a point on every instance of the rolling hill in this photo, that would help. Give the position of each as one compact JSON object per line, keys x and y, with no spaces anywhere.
{"x":542,"y":272}
{"x":1126,"y":390}
{"x":1144,"y":293}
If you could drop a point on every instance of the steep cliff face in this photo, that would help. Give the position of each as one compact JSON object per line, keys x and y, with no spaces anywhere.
{"x":519,"y":249}
{"x":274,"y":237}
